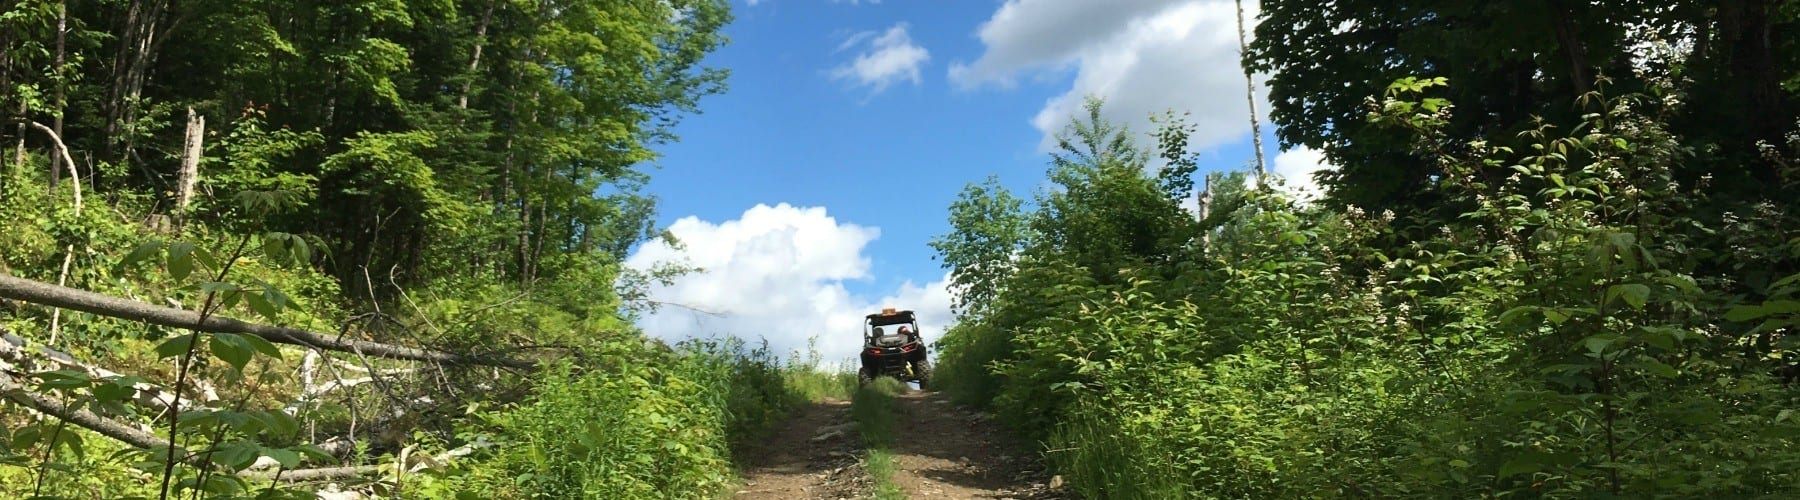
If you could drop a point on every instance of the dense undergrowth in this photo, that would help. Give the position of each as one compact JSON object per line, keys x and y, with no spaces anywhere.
{"x":610,"y":413}
{"x":452,"y":176}
{"x":1572,"y":327}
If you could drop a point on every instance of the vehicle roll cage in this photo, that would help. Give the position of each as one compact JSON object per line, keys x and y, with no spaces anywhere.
{"x":888,"y":317}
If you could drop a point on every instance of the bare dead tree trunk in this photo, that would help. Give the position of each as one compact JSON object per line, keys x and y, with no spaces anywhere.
{"x":1250,"y":93}
{"x":190,"y":163}
{"x":1206,"y":199}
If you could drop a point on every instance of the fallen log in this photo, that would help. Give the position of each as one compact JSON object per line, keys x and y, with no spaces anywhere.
{"x":12,"y":389}
{"x":46,"y":294}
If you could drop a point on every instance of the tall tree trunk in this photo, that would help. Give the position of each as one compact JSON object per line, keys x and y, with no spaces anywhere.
{"x":475,"y":58}
{"x":1250,"y":93}
{"x":19,"y":151}
{"x":56,"y":123}
{"x":1749,"y":30}
{"x":1569,"y":37}
{"x":131,"y":65}
{"x":6,"y":64}
{"x":524,"y":233}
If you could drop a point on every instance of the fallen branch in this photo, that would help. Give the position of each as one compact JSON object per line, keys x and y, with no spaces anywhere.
{"x":17,"y":392}
{"x":81,"y":300}
{"x":418,"y":463}
{"x":12,"y":389}
{"x":63,"y":151}
{"x":18,"y":354}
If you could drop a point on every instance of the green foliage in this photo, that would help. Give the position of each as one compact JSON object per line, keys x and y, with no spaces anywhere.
{"x":989,"y":231}
{"x":1560,"y":338}
{"x":635,"y":420}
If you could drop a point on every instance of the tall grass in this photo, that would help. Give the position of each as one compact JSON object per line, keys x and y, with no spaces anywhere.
{"x":1104,"y":462}
{"x":639,"y":421}
{"x":873,"y":408}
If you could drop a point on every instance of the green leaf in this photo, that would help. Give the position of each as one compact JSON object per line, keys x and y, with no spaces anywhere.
{"x":143,"y":251}
{"x":206,"y":258}
{"x":112,"y":391}
{"x":275,"y":246}
{"x":288,"y":458}
{"x":1556,"y":316}
{"x":71,"y":441}
{"x":177,"y":346}
{"x":262,"y":345}
{"x":1684,"y":283}
{"x":260,"y":303}
{"x":27,"y":436}
{"x":1514,"y":313}
{"x":236,"y":455}
{"x":1635,"y":294}
{"x":315,"y":452}
{"x":1745,"y":313}
{"x":180,"y":260}
{"x":302,"y":252}
{"x":1780,"y":307}
{"x":232,"y":348}
{"x":1598,"y":343}
{"x":63,"y":379}
{"x":1663,"y":337}
{"x":1658,"y":368}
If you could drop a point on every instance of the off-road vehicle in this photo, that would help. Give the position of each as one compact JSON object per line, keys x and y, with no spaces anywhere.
{"x":897,"y":353}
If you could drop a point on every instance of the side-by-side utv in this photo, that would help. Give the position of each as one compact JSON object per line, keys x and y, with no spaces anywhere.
{"x":893,"y":347}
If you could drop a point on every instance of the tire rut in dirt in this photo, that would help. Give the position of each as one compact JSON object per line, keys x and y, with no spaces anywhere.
{"x":944,"y":451}
{"x":813,"y":455}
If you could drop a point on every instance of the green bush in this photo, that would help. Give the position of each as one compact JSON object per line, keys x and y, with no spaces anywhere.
{"x":1558,"y":339}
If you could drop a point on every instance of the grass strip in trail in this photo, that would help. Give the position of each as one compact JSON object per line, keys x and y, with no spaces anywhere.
{"x":873,"y":408}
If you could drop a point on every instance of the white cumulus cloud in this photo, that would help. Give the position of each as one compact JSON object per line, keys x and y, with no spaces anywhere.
{"x":778,"y":273}
{"x":1143,"y":56}
{"x":886,"y":58}
{"x":1297,"y":166}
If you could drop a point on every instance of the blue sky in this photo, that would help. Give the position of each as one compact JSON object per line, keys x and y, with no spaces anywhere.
{"x":854,"y":124}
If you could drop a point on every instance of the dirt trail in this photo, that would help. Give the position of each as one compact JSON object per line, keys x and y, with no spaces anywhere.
{"x":941,"y":451}
{"x":945,"y":451}
{"x":812,"y":455}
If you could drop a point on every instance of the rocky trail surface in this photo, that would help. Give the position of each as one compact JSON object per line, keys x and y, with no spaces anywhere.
{"x":940,"y":451}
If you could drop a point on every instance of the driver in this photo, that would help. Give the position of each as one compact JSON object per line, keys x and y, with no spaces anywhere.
{"x":906,"y":331}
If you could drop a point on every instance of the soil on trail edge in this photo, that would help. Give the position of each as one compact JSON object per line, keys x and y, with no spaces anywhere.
{"x":813,"y":455}
{"x":940,"y":451}
{"x":944,"y":451}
